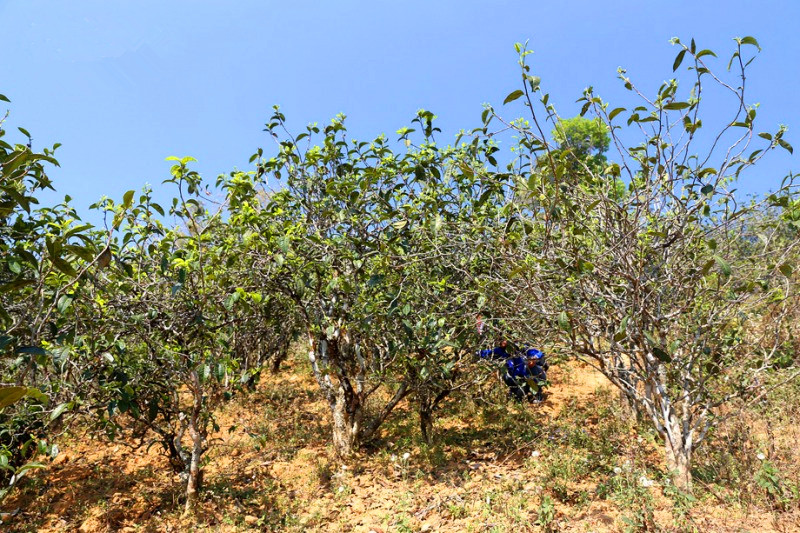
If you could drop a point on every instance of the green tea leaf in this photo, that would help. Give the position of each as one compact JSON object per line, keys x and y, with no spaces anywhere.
{"x":563,"y":322}
{"x":724,"y":266}
{"x":615,"y":112}
{"x":513,"y":96}
{"x":127,"y":199}
{"x":678,"y":60}
{"x":11,"y":395}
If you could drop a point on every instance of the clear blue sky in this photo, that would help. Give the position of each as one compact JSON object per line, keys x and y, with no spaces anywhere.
{"x":124,"y":84}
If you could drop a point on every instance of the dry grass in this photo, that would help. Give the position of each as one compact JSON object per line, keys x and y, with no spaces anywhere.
{"x":571,"y":464}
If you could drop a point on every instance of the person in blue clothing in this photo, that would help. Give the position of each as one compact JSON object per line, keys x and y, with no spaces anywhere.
{"x":524,"y":371}
{"x":537,"y":369}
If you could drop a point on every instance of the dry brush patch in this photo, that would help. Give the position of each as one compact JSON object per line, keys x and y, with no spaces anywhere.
{"x":571,"y":464}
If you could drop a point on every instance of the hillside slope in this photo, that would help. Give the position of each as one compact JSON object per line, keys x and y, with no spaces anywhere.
{"x":568,"y":464}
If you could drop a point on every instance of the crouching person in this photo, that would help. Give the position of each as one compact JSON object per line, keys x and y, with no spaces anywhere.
{"x":537,"y":370}
{"x":517,"y":377}
{"x":524,"y":371}
{"x":526,"y":375}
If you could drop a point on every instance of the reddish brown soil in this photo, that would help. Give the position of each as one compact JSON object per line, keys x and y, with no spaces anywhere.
{"x":270,"y":469}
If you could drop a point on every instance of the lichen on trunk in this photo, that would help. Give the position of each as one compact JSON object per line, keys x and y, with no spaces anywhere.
{"x":197,"y":433}
{"x":342,"y":376}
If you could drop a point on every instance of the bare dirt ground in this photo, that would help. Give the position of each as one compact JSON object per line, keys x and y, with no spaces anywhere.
{"x":270,"y":469}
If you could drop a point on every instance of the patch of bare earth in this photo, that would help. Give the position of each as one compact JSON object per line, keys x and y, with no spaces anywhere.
{"x":270,"y":469}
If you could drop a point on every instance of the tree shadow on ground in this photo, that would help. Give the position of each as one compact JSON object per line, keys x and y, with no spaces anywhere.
{"x":111,"y":494}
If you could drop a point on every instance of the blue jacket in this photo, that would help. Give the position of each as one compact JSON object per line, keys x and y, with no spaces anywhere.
{"x":533,"y":353}
{"x":497,"y":353}
{"x":518,"y":365}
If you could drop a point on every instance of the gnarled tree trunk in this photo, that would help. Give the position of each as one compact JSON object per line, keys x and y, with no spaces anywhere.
{"x":345,"y":403}
{"x":650,"y":398}
{"x":343,"y":383}
{"x":679,"y":461}
{"x":197,"y":434}
{"x":346,"y":422}
{"x":678,"y":452}
{"x":426,"y":425}
{"x":427,"y":407}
